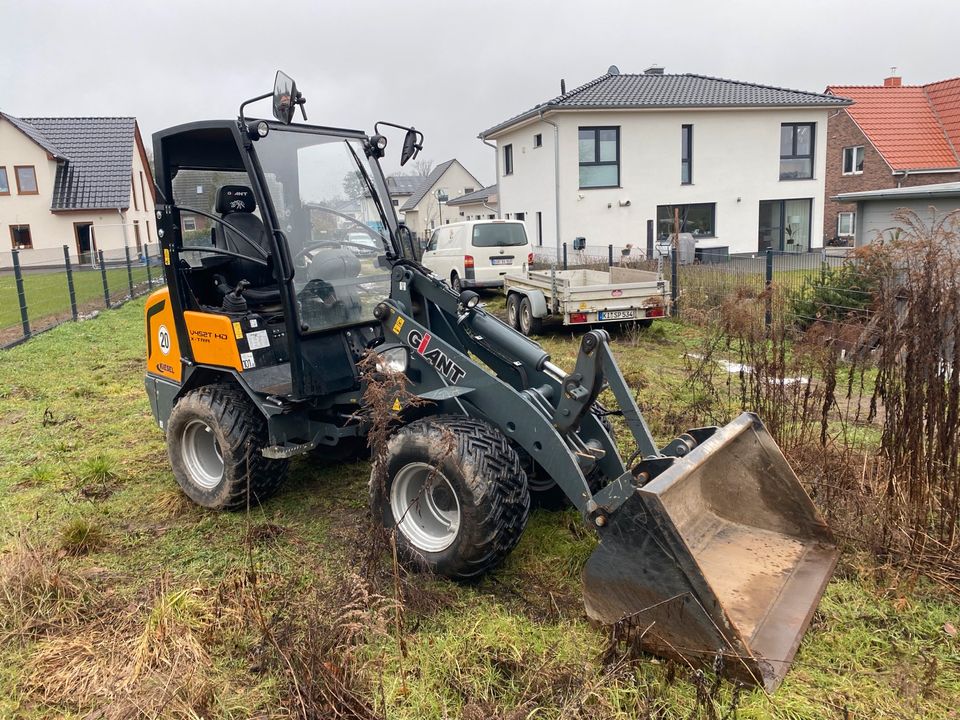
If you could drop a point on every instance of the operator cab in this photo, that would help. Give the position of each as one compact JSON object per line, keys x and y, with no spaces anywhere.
{"x":283,"y":228}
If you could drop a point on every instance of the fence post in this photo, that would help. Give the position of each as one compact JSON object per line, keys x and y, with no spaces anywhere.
{"x":768,"y":284}
{"x":103,"y":276}
{"x":674,"y":283}
{"x":70,"y":288}
{"x":564,"y":256}
{"x":18,"y":276}
{"x":610,"y":255}
{"x":146,"y":260}
{"x":126,"y":252}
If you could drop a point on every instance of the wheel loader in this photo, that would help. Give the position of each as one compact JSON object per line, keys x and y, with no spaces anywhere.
{"x":286,"y":266}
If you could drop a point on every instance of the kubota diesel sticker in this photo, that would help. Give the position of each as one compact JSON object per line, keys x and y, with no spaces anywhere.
{"x":443,"y":364}
{"x":237,"y":331}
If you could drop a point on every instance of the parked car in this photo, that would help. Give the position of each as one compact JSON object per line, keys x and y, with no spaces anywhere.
{"x":478,"y":253}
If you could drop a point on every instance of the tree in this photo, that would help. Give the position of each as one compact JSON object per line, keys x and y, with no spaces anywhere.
{"x":422,"y":167}
{"x":353,"y":186}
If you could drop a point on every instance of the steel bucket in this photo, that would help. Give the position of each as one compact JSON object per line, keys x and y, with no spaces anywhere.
{"x":721,"y":553}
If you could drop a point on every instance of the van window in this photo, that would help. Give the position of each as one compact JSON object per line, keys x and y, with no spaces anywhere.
{"x":432,"y":245}
{"x":499,"y":235}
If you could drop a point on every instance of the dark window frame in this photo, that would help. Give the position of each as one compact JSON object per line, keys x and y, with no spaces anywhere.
{"x":794,"y":155}
{"x":6,"y":179}
{"x":143,"y":192}
{"x":13,"y":236}
{"x":133,"y":192}
{"x":508,"y":159}
{"x":595,"y":129}
{"x":686,"y":162}
{"x":853,"y":157}
{"x":538,"y":140}
{"x":684,"y":209}
{"x":36,"y":183}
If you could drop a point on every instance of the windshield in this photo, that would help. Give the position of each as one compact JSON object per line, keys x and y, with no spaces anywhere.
{"x":333,"y":225}
{"x":499,"y":235}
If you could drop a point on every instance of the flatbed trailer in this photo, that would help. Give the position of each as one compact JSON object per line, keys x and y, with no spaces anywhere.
{"x":585,"y":297}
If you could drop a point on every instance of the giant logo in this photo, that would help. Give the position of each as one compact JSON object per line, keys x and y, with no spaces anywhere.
{"x":442,"y":363}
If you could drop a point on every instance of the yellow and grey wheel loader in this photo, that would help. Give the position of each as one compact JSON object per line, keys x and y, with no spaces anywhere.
{"x":286,"y":266}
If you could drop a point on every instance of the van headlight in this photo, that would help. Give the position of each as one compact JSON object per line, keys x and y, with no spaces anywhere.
{"x":393,"y":359}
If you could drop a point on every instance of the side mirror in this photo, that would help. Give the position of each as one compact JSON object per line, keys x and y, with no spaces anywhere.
{"x":409,"y":248}
{"x":410,"y":147}
{"x":286,"y":98}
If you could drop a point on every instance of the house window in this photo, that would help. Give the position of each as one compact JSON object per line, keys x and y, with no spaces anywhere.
{"x":853,"y":160}
{"x":143,"y":191}
{"x":785,"y":225}
{"x":133,"y":192}
{"x":698,"y":219}
{"x":846,"y":224}
{"x":189,"y":222}
{"x":26,"y":179}
{"x":20,"y":237}
{"x":467,"y":191}
{"x":136,"y":235}
{"x":599,"y":157}
{"x":396,"y":203}
{"x":686,"y":154}
{"x":796,"y":151}
{"x":4,"y":182}
{"x":538,"y":140}
{"x":520,"y":216}
{"x":508,"y":159}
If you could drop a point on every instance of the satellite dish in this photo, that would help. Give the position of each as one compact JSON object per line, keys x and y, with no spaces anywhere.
{"x":613,"y":70}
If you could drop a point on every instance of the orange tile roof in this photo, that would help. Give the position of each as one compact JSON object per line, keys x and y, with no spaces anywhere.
{"x":913,"y":127}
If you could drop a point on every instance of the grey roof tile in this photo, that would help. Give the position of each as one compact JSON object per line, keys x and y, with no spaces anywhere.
{"x":647,"y":90}
{"x":404,"y":184}
{"x":480,"y":195}
{"x":34,"y":134}
{"x":431,"y":179}
{"x":95,"y":159}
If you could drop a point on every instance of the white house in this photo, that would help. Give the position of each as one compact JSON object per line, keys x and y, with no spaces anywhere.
{"x":426,"y":208}
{"x":401,"y":187}
{"x":80,"y":182}
{"x":478,"y":205}
{"x":742,"y":163}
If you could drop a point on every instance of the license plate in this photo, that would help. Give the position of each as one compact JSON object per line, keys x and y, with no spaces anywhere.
{"x":617,"y":315}
{"x":502,"y":261}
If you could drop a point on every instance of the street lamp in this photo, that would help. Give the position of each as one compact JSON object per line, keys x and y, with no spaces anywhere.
{"x":441,"y":198}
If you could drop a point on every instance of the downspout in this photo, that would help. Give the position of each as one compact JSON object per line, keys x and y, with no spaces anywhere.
{"x":496,"y":170}
{"x":556,"y":177}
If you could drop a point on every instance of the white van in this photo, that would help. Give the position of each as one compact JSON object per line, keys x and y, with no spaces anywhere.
{"x":478,"y":253}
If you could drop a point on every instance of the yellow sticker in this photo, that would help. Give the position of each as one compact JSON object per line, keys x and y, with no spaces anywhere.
{"x":396,"y":405}
{"x":398,"y":325}
{"x":583,"y":306}
{"x":237,"y":331}
{"x":166,"y":257}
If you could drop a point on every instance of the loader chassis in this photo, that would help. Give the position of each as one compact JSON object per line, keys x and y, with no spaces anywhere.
{"x":301,"y":269}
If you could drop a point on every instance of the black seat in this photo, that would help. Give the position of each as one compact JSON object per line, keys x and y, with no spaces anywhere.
{"x":236,"y":204}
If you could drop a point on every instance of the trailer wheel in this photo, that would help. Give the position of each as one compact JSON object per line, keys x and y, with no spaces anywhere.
{"x":513,"y":310}
{"x":214,"y":439}
{"x":529,"y":325}
{"x":456,"y":493}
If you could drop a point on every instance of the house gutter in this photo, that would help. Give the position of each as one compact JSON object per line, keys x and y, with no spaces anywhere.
{"x":496,"y":168}
{"x":556,"y":177}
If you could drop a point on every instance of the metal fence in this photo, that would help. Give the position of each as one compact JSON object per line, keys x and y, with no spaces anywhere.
{"x":52,"y":288}
{"x":804,"y":288}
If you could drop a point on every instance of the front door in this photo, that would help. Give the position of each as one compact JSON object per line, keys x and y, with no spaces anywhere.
{"x":86,"y":243}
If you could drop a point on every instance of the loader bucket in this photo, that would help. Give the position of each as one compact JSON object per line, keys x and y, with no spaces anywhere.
{"x":721,"y":553}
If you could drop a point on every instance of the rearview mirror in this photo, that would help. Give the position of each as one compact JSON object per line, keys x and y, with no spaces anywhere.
{"x":410,"y":147}
{"x":285,"y":98}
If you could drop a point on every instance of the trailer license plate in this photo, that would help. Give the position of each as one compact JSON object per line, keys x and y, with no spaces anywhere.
{"x":502,"y":261}
{"x":617,"y":315}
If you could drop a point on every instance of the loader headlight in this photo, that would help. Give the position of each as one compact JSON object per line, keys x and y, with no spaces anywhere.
{"x":393,"y":359}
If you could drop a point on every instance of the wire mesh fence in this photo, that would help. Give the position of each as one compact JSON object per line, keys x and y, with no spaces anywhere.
{"x":40,"y":289}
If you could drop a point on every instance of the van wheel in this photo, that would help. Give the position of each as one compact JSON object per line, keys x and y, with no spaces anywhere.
{"x":214,"y":439}
{"x":455,"y":282}
{"x":455,"y":492}
{"x":529,"y":325}
{"x":513,"y":310}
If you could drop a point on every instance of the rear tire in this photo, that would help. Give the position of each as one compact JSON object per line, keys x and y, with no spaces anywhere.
{"x":513,"y":310}
{"x":456,"y":493}
{"x":529,"y":325}
{"x":215,"y":436}
{"x":455,"y":282}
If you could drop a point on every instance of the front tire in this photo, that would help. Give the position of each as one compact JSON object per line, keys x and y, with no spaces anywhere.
{"x":215,"y":436}
{"x":454,"y":490}
{"x":513,"y":310}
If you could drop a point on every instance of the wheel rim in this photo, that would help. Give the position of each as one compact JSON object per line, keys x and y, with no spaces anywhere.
{"x":525,"y":317}
{"x":425,"y":507}
{"x":512,"y":312}
{"x":201,"y":454}
{"x":456,"y":283}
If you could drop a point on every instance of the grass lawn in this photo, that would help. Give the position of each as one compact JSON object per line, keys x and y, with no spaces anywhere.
{"x":47,"y":294}
{"x":129,"y":592}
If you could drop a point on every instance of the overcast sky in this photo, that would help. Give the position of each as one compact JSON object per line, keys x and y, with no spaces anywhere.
{"x":450,"y":68}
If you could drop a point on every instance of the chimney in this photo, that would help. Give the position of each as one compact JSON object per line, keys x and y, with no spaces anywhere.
{"x":654,"y":70}
{"x":892,"y":81}
{"x":563,"y":86}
